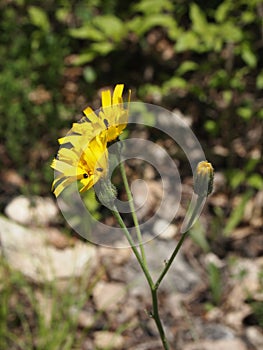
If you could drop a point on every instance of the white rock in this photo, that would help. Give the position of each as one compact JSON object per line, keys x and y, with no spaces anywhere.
{"x":225,"y":344}
{"x":85,"y":319}
{"x":26,"y":250}
{"x":255,"y":336}
{"x":36,"y":211}
{"x":164,"y":230}
{"x":109,"y":340}
{"x":114,"y":256}
{"x":107,"y":296}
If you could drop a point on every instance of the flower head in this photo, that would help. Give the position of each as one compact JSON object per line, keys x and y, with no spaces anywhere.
{"x":111,"y":119}
{"x":84,"y":161}
{"x":203,"y":179}
{"x":83,"y":153}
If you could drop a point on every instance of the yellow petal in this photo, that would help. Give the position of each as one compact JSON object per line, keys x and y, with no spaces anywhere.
{"x":68,"y":138}
{"x":87,"y":184}
{"x":82,"y":128}
{"x":68,"y":155}
{"x":117,"y":94}
{"x":89,"y":113}
{"x":106,"y":98}
{"x":60,"y":187}
{"x":55,"y":182}
{"x":66,"y":169}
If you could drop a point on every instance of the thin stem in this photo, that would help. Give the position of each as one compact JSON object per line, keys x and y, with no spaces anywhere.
{"x":155,"y":312}
{"x":156,"y":317}
{"x":170,"y":261}
{"x":177,"y":248}
{"x":133,"y":212}
{"x":133,"y":247}
{"x":142,"y":259}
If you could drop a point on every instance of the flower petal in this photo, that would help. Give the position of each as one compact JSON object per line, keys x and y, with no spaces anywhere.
{"x":106,"y":98}
{"x":89,"y":113}
{"x":66,"y":169}
{"x":60,"y":187}
{"x":117,"y":94}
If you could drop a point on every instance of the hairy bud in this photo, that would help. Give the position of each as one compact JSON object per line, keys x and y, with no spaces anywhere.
{"x":203,"y":179}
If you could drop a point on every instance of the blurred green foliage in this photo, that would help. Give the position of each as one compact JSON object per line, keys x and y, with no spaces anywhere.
{"x":203,"y":58}
{"x":27,"y":317}
{"x":32,"y":52}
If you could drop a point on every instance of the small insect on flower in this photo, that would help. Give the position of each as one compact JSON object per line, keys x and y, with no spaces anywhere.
{"x":203,"y":179}
{"x":84,"y":161}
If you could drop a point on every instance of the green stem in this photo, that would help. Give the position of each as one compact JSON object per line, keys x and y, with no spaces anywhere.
{"x":133,"y":247}
{"x":156,"y":317}
{"x":142,"y":259}
{"x":178,"y":246}
{"x":133,"y":212}
{"x":155,"y":312}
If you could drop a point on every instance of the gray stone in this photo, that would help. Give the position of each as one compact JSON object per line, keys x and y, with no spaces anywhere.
{"x":233,"y":344}
{"x":27,"y":250}
{"x":164,"y":230}
{"x":36,"y":211}
{"x":255,"y":336}
{"x":107,"y":296}
{"x":216,"y":331}
{"x":109,"y":340}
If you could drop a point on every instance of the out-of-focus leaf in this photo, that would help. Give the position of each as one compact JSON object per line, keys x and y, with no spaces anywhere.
{"x":197,"y":233}
{"x":153,"y":6}
{"x":101,"y":28}
{"x":188,"y":41}
{"x":62,"y":14}
{"x":187,"y":66}
{"x":111,"y":26}
{"x":87,"y":32}
{"x":218,"y":79}
{"x":174,"y":83}
{"x":255,"y":181}
{"x":248,"y":17}
{"x":89,"y":74}
{"x":102,"y":48}
{"x":237,"y":214}
{"x":259,"y":81}
{"x":141,"y":25}
{"x":229,"y":32}
{"x":198,"y":18}
{"x":236,"y":178}
{"x":223,"y":10}
{"x":39,"y":18}
{"x":211,"y":126}
{"x":245,"y":112}
{"x":215,"y":282}
{"x":152,"y":90}
{"x":227,"y":96}
{"x":248,"y":55}
{"x":83,"y":58}
{"x":251,"y":165}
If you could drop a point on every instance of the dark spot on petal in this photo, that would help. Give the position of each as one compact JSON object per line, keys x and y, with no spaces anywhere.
{"x":105,"y":121}
{"x":99,"y":169}
{"x":84,"y":119}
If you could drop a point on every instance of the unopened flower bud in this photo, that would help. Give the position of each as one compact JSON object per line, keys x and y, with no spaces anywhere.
{"x":106,"y":192}
{"x":203,"y":179}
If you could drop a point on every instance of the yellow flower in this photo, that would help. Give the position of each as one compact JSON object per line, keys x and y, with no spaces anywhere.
{"x":86,"y":161}
{"x":83,"y":153}
{"x":111,"y":120}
